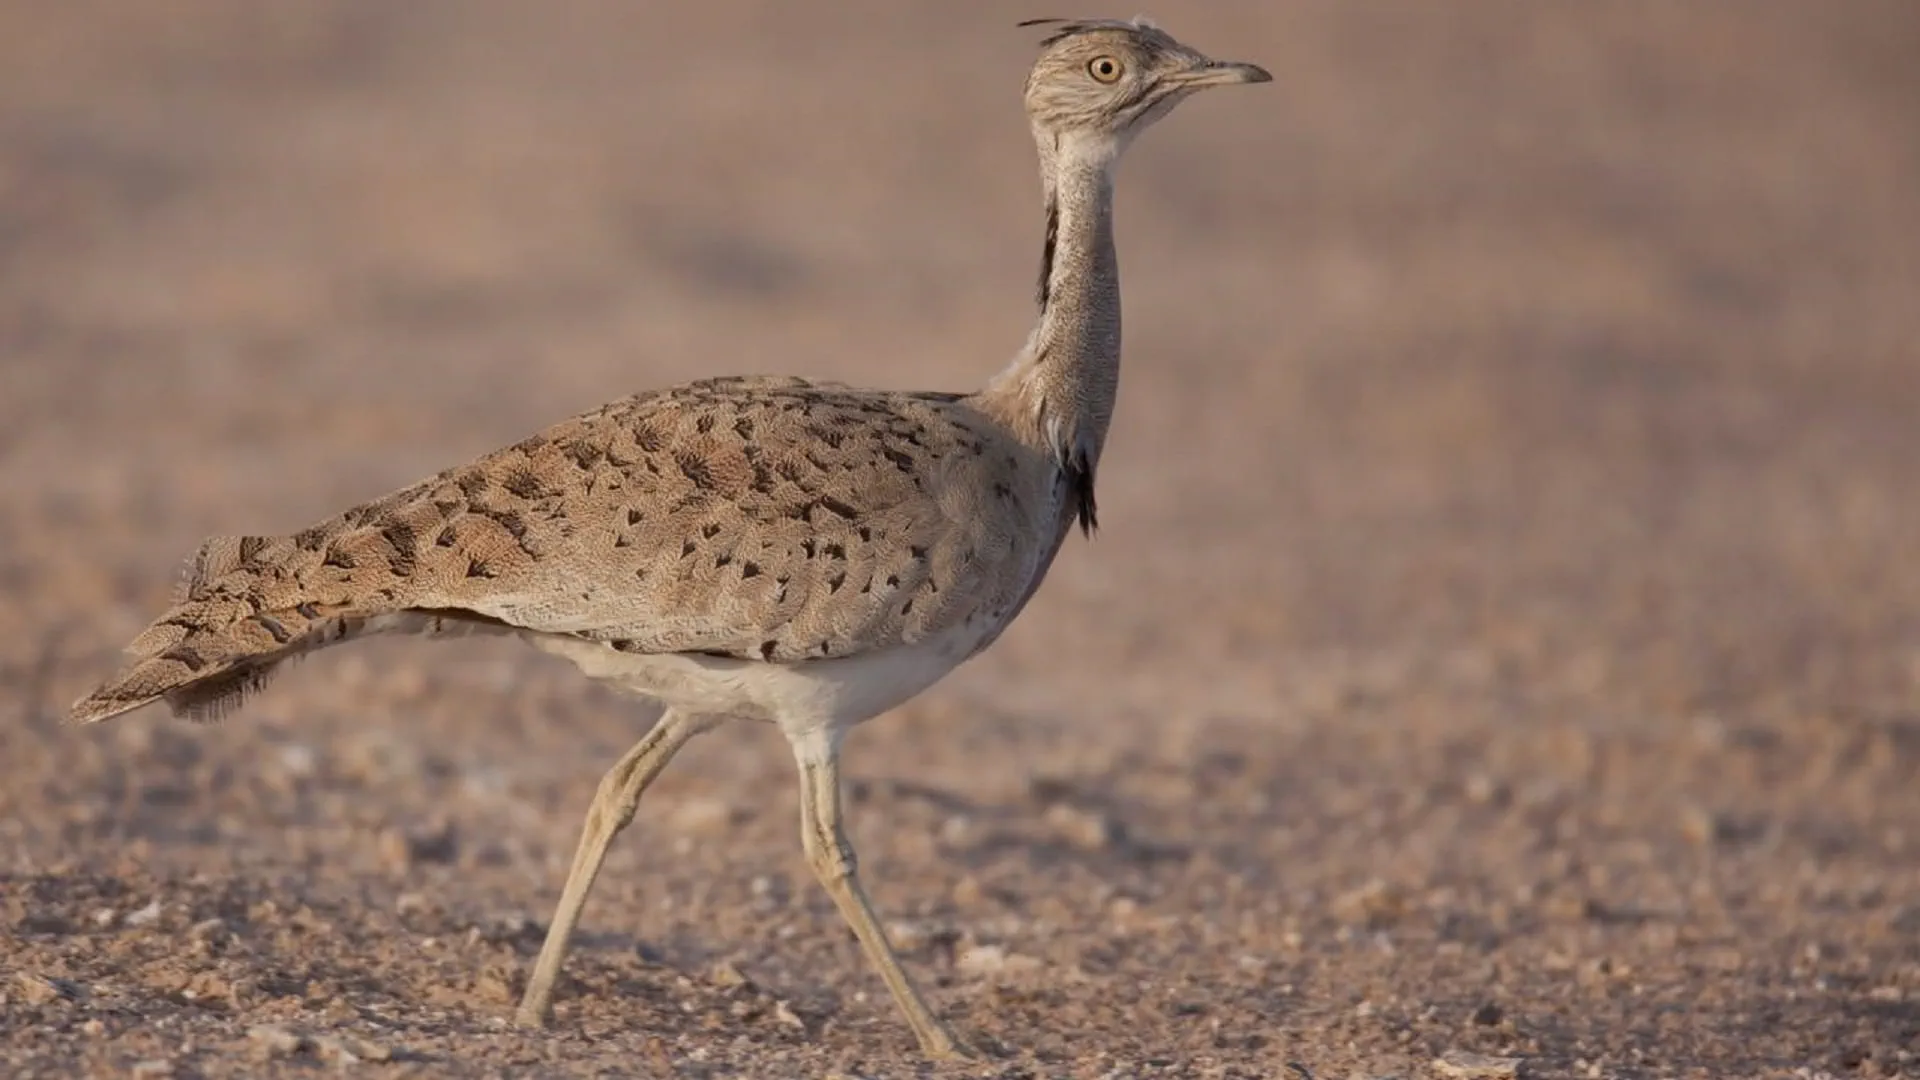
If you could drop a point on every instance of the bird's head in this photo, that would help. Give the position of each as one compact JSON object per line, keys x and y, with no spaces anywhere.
{"x":1100,"y":82}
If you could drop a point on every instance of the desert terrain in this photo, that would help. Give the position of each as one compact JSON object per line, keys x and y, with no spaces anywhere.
{"x":1500,"y":655}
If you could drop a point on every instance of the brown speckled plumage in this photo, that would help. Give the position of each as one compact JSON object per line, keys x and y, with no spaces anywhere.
{"x":767,"y":548}
{"x":770,"y":518}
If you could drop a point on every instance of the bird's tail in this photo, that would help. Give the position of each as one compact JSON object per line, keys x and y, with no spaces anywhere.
{"x":244,"y":608}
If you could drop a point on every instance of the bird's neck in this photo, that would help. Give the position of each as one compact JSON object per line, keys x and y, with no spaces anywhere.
{"x":1059,"y":392}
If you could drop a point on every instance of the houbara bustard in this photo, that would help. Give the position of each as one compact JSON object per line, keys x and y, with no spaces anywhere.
{"x":769,"y":548}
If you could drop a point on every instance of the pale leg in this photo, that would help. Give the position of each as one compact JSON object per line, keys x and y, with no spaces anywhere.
{"x":613,"y":808}
{"x":834,"y":863}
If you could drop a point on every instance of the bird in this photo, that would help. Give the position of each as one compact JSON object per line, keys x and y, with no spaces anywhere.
{"x":757,"y":547}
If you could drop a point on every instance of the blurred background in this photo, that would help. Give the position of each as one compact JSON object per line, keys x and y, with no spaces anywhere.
{"x":1504,"y":632}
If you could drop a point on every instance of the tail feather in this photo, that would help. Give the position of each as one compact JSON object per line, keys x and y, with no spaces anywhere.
{"x":239,"y":612}
{"x":247,"y":604}
{"x":198,"y":697}
{"x":244,"y":611}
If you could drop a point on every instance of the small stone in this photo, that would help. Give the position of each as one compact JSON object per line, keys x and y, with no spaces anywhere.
{"x":1460,"y":1065}
{"x":727,"y":976}
{"x":154,"y":1069}
{"x":1374,"y":904}
{"x":207,"y":929}
{"x":494,"y":983}
{"x":514,"y":926}
{"x":335,"y":1050}
{"x":967,"y":892}
{"x":957,"y":831}
{"x":912,"y":935}
{"x":1483,"y":790}
{"x":398,"y":849}
{"x":1570,"y":907}
{"x":982,"y":959}
{"x":785,"y":1014}
{"x":272,"y":1040}
{"x":349,"y":1050}
{"x":1488,"y":1015}
{"x":93,"y":1027}
{"x":1699,"y":826}
{"x":296,"y":760}
{"x":402,"y":850}
{"x":210,"y":985}
{"x":146,"y":915}
{"x":41,"y":990}
{"x":994,"y":960}
{"x":1085,"y":829}
{"x":105,"y":917}
{"x":310,"y":922}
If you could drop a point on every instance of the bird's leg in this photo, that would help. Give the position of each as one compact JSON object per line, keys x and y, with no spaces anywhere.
{"x":832,"y":858}
{"x":613,"y":808}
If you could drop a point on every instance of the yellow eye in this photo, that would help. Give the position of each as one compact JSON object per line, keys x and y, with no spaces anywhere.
{"x":1104,"y":69}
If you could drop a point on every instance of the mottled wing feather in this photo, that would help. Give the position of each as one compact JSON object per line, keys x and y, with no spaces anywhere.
{"x":769,"y":518}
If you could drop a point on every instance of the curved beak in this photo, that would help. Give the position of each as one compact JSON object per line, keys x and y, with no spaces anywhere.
{"x":1222,"y":73}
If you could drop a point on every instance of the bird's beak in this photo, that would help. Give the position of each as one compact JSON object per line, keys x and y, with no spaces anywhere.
{"x":1222,"y":73}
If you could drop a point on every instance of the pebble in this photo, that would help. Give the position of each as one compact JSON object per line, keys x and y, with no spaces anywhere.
{"x":1374,"y":904}
{"x":968,"y":892}
{"x":912,"y":935}
{"x":992,"y":959}
{"x":1482,"y":790}
{"x":156,"y":1069}
{"x":42,"y":990}
{"x":210,"y":985}
{"x":728,"y":976}
{"x":349,"y":1050}
{"x":146,"y":915}
{"x":273,"y":1040}
{"x":402,"y":850}
{"x":1460,"y":1065}
{"x":1700,"y":826}
{"x":957,"y":831}
{"x":1088,"y":830}
{"x":297,"y":760}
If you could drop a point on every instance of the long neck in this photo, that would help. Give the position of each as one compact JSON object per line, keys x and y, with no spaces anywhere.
{"x":1060,"y":390}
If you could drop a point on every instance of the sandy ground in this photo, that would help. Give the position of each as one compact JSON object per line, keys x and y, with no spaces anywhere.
{"x":1504,"y":639}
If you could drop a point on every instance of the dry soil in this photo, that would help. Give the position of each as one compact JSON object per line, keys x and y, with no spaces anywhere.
{"x":1502,"y":654}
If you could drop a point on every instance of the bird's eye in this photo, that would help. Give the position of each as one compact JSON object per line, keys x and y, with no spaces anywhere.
{"x":1104,"y":69}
